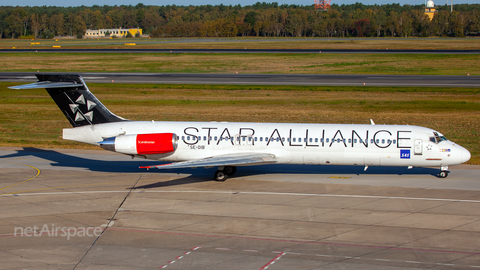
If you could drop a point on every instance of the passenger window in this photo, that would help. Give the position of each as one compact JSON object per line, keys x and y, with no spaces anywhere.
{"x":283,"y":139}
{"x":394,"y":141}
{"x":294,"y":140}
{"x":316,"y":139}
{"x":249,"y":139}
{"x":188,"y":138}
{"x":215,"y":138}
{"x":378,"y":141}
{"x":349,"y":140}
{"x":243,"y":138}
{"x":327,"y":140}
{"x":383,"y":140}
{"x":261,"y":139}
{"x":183,"y":137}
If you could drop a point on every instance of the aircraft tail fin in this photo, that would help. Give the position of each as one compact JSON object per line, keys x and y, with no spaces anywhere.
{"x":72,"y":96}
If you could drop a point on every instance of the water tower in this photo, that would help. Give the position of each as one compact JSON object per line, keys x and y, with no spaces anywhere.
{"x":430,"y":9}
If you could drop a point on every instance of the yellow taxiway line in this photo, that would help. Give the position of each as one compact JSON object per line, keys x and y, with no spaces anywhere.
{"x":31,"y":178}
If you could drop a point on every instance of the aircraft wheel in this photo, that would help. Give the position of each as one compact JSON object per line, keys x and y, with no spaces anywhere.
{"x":443,"y":174}
{"x":220,"y":176}
{"x":230,"y":170}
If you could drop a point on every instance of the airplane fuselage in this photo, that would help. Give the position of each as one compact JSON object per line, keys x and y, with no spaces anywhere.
{"x":336,"y":144}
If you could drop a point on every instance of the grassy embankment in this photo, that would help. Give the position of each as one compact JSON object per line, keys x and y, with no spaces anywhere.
{"x":395,"y":64}
{"x":29,"y":118}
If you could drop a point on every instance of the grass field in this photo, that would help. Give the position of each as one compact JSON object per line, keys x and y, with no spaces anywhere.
{"x":411,"y":64}
{"x":252,"y":43}
{"x":29,"y":118}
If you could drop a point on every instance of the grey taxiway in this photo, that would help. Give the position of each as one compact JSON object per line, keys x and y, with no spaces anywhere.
{"x":265,"y":79}
{"x":275,"y":217}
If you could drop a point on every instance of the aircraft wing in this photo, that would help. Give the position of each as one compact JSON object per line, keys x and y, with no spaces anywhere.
{"x":237,"y":159}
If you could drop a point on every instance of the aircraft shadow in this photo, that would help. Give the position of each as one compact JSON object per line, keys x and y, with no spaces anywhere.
{"x":195,"y":175}
{"x":65,"y":160}
{"x":127,"y":165}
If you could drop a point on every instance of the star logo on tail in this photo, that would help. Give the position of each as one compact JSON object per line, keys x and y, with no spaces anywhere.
{"x":79,"y":115}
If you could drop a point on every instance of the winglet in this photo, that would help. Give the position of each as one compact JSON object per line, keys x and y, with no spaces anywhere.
{"x":371,"y":122}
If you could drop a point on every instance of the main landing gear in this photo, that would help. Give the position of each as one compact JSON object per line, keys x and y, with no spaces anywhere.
{"x":443,"y":172}
{"x":224,"y":172}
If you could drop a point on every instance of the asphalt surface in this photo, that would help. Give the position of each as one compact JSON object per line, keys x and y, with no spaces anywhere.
{"x":343,"y":51}
{"x":275,"y":217}
{"x":266,"y":79}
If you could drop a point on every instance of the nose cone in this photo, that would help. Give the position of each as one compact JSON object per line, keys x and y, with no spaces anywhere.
{"x":464,"y":155}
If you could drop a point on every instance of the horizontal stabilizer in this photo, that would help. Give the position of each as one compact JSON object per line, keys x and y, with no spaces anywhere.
{"x":47,"y":84}
{"x":238,"y":159}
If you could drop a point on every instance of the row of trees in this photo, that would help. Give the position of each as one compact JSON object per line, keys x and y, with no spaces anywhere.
{"x":260,"y":19}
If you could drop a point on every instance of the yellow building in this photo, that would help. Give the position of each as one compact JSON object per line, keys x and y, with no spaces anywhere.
{"x":430,"y":9}
{"x":118,"y":32}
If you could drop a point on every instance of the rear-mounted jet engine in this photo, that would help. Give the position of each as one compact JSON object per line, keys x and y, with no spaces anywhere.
{"x":141,"y":144}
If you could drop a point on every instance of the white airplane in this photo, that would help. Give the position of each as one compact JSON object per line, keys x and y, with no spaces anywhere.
{"x":228,"y":145}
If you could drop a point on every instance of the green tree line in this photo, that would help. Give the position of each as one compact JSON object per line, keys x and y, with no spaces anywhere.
{"x":260,"y":19}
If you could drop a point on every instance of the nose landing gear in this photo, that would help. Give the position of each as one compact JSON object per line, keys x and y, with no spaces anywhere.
{"x":443,"y":172}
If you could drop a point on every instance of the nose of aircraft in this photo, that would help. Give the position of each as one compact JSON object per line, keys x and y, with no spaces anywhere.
{"x":464,"y":155}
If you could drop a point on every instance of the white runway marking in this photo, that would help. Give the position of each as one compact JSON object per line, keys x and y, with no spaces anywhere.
{"x":246,"y":192}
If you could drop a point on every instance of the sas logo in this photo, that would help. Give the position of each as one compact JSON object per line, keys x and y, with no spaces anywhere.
{"x":444,"y":150}
{"x":405,"y":154}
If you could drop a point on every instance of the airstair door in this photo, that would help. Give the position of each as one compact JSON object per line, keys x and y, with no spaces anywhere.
{"x":418,"y":147}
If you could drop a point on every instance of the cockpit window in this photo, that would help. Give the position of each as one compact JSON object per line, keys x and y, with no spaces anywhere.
{"x":437,"y":138}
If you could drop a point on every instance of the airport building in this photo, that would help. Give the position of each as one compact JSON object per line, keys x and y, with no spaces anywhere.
{"x":430,"y":9}
{"x":117,"y":32}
